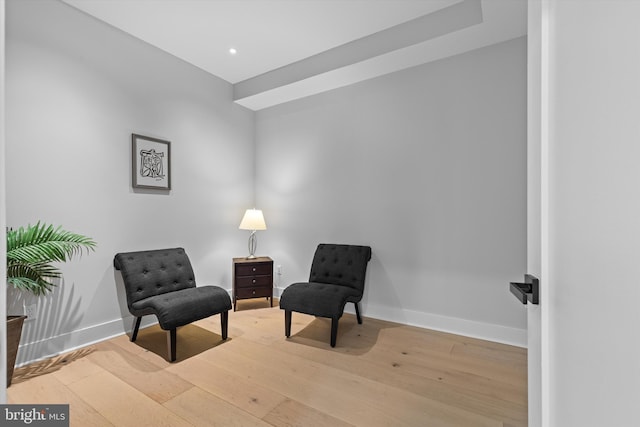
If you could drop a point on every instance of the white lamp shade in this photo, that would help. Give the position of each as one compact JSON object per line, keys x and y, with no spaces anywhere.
{"x":253,"y":220}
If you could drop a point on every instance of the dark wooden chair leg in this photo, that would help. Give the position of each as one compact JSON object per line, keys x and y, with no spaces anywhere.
{"x":224,"y":319}
{"x":136,"y":326}
{"x":171,"y":344}
{"x":334,"y":331}
{"x":287,"y":323}
{"x":358,"y":313}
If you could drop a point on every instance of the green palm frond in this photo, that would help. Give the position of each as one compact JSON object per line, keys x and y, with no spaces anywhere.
{"x":30,"y":251}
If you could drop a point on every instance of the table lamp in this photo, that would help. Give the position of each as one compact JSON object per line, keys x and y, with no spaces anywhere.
{"x":254,"y":221}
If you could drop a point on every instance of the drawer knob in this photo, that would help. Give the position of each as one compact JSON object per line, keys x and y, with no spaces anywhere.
{"x":254,"y":292}
{"x":254,"y":269}
{"x":254,"y":280}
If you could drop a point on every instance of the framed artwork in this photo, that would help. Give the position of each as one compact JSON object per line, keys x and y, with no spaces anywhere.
{"x":151,"y":162}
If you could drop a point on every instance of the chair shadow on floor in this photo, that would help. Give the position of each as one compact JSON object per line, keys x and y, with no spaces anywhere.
{"x":353,"y":339}
{"x":192,"y":341}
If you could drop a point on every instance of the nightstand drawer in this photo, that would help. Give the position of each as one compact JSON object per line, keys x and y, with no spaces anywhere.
{"x":253,"y":292}
{"x":253,"y":269}
{"x":247,"y":282}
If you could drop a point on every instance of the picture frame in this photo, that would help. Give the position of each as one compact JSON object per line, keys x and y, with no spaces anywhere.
{"x":151,"y":162}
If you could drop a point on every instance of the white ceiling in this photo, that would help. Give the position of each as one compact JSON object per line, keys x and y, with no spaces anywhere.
{"x":293,"y":48}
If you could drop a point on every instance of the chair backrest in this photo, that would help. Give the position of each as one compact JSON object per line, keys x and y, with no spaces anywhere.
{"x":344,"y":265}
{"x":150,"y":273}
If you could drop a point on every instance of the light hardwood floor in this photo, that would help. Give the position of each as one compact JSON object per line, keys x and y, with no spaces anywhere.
{"x":379,"y":374}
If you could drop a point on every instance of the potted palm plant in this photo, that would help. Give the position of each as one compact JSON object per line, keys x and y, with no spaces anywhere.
{"x":31,"y":251}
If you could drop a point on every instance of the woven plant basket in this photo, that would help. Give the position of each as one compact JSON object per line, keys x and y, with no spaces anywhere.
{"x":14,"y":331}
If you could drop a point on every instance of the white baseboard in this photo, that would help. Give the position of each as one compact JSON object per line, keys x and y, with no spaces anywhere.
{"x":38,"y":350}
{"x":469,"y":328}
{"x":63,"y":343}
{"x":454,"y":325}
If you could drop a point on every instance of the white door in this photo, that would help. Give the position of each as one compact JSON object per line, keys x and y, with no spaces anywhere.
{"x":537,"y":161}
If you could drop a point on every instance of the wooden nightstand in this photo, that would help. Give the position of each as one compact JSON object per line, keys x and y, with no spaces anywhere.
{"x":252,"y":278}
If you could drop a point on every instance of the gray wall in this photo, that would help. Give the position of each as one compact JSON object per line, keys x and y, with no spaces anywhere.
{"x":76,"y":90}
{"x":426,"y":165}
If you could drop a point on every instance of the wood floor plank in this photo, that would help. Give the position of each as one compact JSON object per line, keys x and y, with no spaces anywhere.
{"x":458,"y":389}
{"x":201,"y":408}
{"x":47,"y":389}
{"x":294,"y":414}
{"x":291,"y":375}
{"x":397,"y":366}
{"x":504,"y":356}
{"x":250,"y":396}
{"x":131,"y":347}
{"x":123,"y":405}
{"x":449,"y":369}
{"x":82,"y":368}
{"x":141,"y":374}
{"x":458,"y":361}
{"x":320,"y":396}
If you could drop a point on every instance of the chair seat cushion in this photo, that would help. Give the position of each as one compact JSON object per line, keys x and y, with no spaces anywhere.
{"x":179,"y":308}
{"x":318,"y":299}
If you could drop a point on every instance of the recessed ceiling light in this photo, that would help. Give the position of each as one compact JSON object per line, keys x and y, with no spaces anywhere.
{"x":233,"y":51}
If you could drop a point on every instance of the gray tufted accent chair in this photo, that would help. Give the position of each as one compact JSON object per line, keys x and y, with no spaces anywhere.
{"x":162,"y":283}
{"x":337,"y":277}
